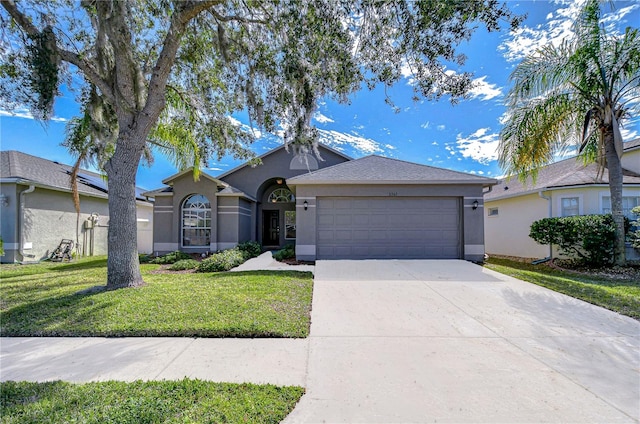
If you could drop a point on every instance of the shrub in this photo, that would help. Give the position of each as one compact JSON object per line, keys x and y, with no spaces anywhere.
{"x":171,"y":258}
{"x":287,"y":252}
{"x":222,"y":261}
{"x":143,"y":258}
{"x":183,"y":264}
{"x":635,"y":234}
{"x":251,"y":248}
{"x":588,"y":238}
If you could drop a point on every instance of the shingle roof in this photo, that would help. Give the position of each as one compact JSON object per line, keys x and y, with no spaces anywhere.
{"x":564,"y":173}
{"x":377,"y":169}
{"x":33,"y":169}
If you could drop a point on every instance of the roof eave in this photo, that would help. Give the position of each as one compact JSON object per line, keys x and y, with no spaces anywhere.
{"x":485,"y":183}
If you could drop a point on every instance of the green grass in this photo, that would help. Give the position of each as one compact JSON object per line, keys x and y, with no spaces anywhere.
{"x":619,"y":295}
{"x":185,"y":401}
{"x":42,"y":300}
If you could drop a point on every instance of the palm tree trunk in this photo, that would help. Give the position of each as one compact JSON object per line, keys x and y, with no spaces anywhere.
{"x":614,"y":167}
{"x":123,"y":266}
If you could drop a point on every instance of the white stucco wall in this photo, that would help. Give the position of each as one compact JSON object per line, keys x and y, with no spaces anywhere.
{"x":508,"y":232}
{"x":145,"y":227}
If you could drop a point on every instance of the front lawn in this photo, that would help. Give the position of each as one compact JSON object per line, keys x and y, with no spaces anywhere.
{"x":617,"y":293}
{"x":43,"y":300}
{"x":192,"y":401}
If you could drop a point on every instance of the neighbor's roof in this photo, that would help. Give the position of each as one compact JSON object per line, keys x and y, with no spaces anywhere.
{"x":378,"y":170}
{"x":27,"y":169}
{"x":565,"y":173}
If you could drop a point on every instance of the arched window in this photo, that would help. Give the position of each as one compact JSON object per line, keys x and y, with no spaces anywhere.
{"x":196,"y":221}
{"x":281,"y":195}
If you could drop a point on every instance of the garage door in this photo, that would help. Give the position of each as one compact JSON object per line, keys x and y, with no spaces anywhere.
{"x":388,"y":228}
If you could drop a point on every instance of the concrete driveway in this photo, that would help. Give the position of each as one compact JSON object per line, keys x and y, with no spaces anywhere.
{"x":448,"y":341}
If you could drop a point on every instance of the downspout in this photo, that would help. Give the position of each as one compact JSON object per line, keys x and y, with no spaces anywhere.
{"x":31,"y":189}
{"x":548,"y":258}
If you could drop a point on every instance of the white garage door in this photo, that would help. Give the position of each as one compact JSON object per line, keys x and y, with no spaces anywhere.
{"x":388,"y":228}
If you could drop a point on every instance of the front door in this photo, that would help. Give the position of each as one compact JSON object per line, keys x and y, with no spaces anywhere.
{"x":270,"y":228}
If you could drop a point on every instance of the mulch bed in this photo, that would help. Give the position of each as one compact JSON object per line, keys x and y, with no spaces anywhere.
{"x":630,"y":272}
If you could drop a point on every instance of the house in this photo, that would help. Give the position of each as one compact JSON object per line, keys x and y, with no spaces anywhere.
{"x":37,"y":211}
{"x":333,"y":208}
{"x":564,"y":188}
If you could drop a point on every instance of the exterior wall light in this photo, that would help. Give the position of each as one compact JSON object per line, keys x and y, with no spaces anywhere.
{"x":475,"y":205}
{"x":306,"y":205}
{"x":4,"y":200}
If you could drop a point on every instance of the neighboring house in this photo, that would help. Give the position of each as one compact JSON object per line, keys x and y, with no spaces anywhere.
{"x":37,"y":212}
{"x":563,"y":188}
{"x":335,"y":208}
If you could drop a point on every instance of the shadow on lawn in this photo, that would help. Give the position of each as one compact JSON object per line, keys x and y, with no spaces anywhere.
{"x":82,"y":264}
{"x":56,"y":316}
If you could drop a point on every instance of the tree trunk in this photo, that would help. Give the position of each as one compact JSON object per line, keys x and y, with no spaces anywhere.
{"x":614,"y":167}
{"x":123,"y":266}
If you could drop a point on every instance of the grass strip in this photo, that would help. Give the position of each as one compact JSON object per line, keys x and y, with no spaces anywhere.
{"x":616,"y":294}
{"x":184,"y":401}
{"x":43,"y":300}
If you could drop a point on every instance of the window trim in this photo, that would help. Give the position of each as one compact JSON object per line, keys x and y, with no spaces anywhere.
{"x":285,"y":225}
{"x":284,"y":196}
{"x":624,"y":195}
{"x":204,"y":210}
{"x":570,"y":196}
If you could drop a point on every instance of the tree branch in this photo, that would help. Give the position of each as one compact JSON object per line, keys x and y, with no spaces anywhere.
{"x":185,"y":12}
{"x":25,"y":23}
{"x":236,"y":18}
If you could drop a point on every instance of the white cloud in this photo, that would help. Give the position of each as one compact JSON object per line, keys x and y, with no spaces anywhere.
{"x":441,"y":127}
{"x":214,"y":169}
{"x":480,"y":146}
{"x":339,"y":140}
{"x":246,"y":128}
{"x":425,"y":125}
{"x":526,"y":40}
{"x":484,"y":90}
{"x":322,"y":119}
{"x":558,"y":26}
{"x":435,"y":143}
{"x":26,"y":114}
{"x":628,"y":135}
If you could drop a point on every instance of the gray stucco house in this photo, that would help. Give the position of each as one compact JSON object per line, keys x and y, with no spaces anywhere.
{"x":334,"y":208}
{"x":37,"y":212}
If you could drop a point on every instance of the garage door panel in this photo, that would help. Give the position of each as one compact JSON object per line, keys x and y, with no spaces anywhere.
{"x":362,"y":228}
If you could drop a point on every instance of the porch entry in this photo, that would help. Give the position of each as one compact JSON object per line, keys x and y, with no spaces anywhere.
{"x":270,"y":228}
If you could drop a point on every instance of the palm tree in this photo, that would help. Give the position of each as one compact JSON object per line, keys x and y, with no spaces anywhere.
{"x":576,"y":94}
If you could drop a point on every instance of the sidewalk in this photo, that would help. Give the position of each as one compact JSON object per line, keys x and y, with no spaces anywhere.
{"x":82,"y":359}
{"x":265,"y":262}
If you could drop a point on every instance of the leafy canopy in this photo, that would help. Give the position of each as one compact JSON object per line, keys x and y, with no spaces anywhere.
{"x":573,"y":93}
{"x":273,"y":59}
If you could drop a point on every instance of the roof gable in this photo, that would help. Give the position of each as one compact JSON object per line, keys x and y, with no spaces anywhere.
{"x":276,"y":150}
{"x":377,"y":169}
{"x":171,"y":179}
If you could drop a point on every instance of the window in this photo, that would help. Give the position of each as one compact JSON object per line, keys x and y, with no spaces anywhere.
{"x":628,"y":203}
{"x":281,"y":195}
{"x":492,"y":212}
{"x":196,"y":221}
{"x":290,"y":225}
{"x":570,"y":206}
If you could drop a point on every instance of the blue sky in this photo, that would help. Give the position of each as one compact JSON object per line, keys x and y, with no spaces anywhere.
{"x":461,"y":137}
